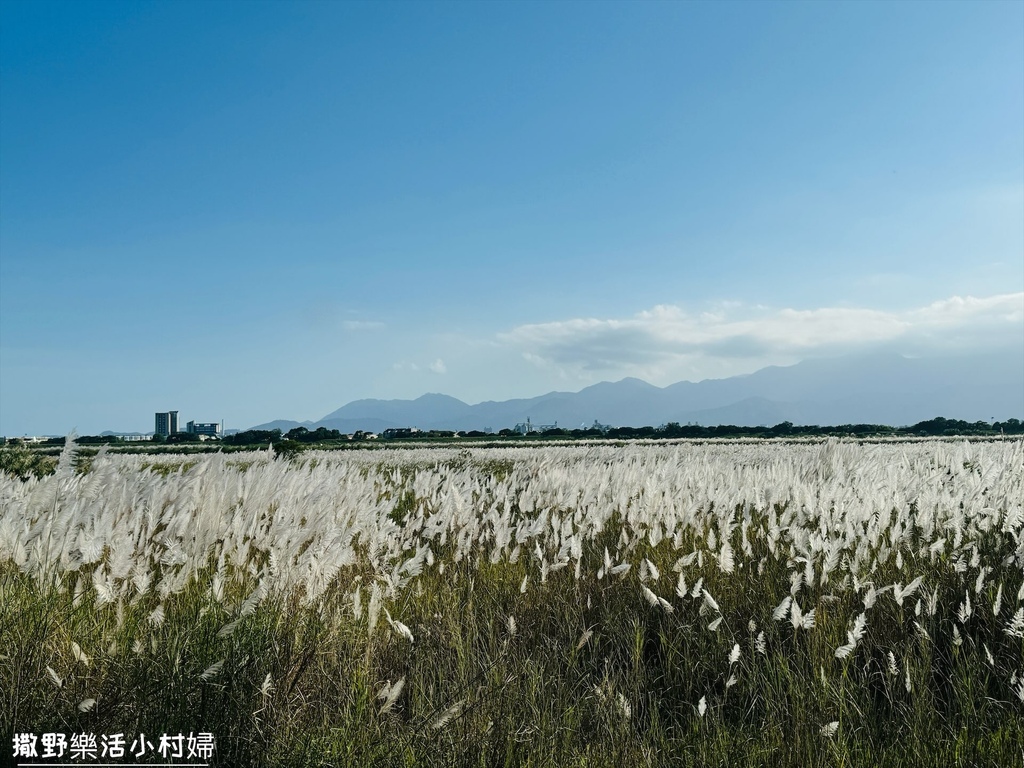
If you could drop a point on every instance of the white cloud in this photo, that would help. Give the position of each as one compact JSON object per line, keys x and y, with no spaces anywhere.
{"x":362,"y":325}
{"x":667,"y":339}
{"x":438,"y":366}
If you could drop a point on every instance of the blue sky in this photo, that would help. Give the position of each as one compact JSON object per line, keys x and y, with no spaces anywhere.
{"x":248,"y":211}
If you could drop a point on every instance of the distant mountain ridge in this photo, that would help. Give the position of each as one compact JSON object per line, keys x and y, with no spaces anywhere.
{"x":878,"y":388}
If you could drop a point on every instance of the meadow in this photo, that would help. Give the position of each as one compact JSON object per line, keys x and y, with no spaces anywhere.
{"x":816,"y":603}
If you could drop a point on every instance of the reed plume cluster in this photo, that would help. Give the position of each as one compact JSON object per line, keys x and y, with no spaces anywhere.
{"x":756,"y":602}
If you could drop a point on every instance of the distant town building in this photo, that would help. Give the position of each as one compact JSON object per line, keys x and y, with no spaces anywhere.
{"x":529,"y":428}
{"x":209,"y":429}
{"x":166,"y":423}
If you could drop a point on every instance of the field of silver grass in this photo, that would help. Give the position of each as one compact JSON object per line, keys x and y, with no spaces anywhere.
{"x":755,"y":603}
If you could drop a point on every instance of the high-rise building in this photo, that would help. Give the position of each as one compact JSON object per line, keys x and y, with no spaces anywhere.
{"x":166,"y":423}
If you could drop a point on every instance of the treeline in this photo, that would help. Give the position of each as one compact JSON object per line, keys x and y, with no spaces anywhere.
{"x":937,"y":427}
{"x":300,"y":437}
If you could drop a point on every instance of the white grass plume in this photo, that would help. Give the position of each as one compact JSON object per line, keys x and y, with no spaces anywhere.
{"x":782,"y":609}
{"x":448,"y":715}
{"x":965,"y":610}
{"x":1015,"y":627}
{"x":267,"y":688}
{"x":584,"y":638}
{"x":698,"y":588}
{"x":212,"y":671}
{"x":373,"y":611}
{"x":79,"y":654}
{"x":853,"y":637}
{"x":656,"y":602}
{"x":389,"y":694}
{"x":624,"y":708}
{"x":399,"y":628}
{"x":57,"y":679}
{"x":799,"y":619}
{"x":710,"y":602}
{"x":734,"y":656}
{"x":681,"y":586}
{"x":726,"y":560}
{"x":901,"y":593}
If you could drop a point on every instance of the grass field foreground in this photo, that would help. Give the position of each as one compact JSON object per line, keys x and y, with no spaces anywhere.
{"x":757,"y":603}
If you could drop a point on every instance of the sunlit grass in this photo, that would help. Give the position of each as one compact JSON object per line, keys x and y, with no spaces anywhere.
{"x":272,"y":605}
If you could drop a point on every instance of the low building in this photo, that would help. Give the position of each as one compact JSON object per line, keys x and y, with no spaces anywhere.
{"x":207,"y":429}
{"x":529,"y":428}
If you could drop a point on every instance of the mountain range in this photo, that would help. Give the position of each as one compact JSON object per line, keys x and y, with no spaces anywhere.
{"x":877,"y":388}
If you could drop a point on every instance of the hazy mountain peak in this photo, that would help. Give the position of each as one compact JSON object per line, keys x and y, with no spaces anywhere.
{"x":881,"y":387}
{"x":437,"y":397}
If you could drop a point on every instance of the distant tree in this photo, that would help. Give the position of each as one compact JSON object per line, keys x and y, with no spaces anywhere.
{"x":941,"y":426}
{"x":1010,"y":427}
{"x":254,"y":437}
{"x":672,"y":429}
{"x":319,"y":435}
{"x":94,"y":439}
